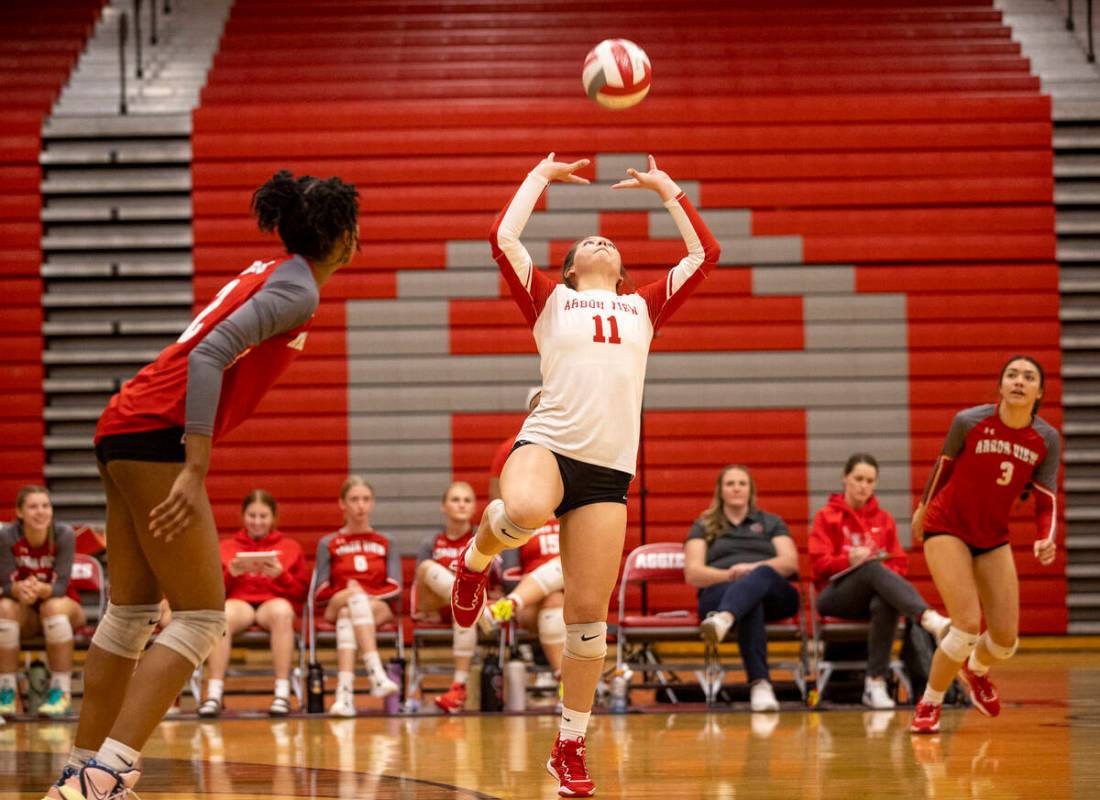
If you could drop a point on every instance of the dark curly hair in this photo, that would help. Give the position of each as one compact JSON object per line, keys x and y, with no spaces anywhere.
{"x":310,"y":215}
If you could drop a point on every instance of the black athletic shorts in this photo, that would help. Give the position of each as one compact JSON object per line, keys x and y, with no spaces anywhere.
{"x":163,"y":446}
{"x":974,"y":551}
{"x":586,"y":484}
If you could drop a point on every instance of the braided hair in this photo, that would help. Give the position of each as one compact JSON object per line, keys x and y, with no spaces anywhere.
{"x":310,"y":215}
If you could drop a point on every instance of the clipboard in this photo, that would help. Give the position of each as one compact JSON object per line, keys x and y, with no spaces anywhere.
{"x":881,"y":555}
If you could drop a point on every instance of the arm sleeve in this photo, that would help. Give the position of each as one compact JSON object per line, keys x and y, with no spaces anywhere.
{"x":825,"y":560}
{"x":7,"y":559}
{"x":1046,"y":474}
{"x":529,"y":287}
{"x":65,"y":548}
{"x":961,"y":425}
{"x":323,"y":565}
{"x":664,"y":296}
{"x":286,"y":301}
{"x":424,"y":552}
{"x":393,"y":563}
{"x":509,"y":559}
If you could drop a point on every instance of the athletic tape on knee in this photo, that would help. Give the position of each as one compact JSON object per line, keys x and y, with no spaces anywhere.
{"x":9,"y":634}
{"x":193,"y":634}
{"x":586,"y":641}
{"x":999,"y":651}
{"x":345,"y":634}
{"x":465,"y":641}
{"x":958,"y":644}
{"x":507,"y":532}
{"x":125,"y":630}
{"x":549,"y":576}
{"x":552,"y":626}
{"x":56,"y":629}
{"x":438,"y":578}
{"x":359,"y":609}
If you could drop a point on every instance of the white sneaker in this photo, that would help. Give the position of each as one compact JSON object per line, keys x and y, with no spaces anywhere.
{"x":383,"y":686}
{"x":875,"y":695}
{"x":935,"y":623}
{"x":343,"y":705}
{"x":762,"y":697}
{"x":714,"y":628}
{"x":763,"y":725}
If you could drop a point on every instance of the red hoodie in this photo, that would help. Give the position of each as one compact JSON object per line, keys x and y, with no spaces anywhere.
{"x":838,"y":528}
{"x":291,"y":584}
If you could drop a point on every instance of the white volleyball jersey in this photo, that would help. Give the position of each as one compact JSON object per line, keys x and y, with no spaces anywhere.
{"x":594,"y":344}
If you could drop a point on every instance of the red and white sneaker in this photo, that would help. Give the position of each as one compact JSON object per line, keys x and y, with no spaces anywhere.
{"x":454,"y":699}
{"x":927,"y":718}
{"x":95,"y":781}
{"x":982,"y":692}
{"x":467,"y":593}
{"x":567,"y":766}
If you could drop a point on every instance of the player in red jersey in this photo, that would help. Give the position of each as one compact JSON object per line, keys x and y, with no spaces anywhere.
{"x":153,"y":449}
{"x":357,"y":567}
{"x":993,"y":453}
{"x":434,"y":576}
{"x":577,"y":451}
{"x":266,"y":579}
{"x":36,"y":560}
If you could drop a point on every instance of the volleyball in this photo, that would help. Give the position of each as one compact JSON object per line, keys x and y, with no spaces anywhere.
{"x":616,"y":74}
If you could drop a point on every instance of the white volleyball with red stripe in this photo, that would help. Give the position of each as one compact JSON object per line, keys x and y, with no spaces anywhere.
{"x":616,"y":73}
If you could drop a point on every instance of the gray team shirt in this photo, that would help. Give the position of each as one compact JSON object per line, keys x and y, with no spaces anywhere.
{"x":64,"y":549}
{"x":287,"y":300}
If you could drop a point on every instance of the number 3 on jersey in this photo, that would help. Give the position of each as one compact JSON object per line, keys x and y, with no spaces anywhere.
{"x":613,"y":324}
{"x":1007,"y":467}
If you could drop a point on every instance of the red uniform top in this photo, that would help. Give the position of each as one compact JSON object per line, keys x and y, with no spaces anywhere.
{"x":155,"y":398}
{"x":984,"y":467}
{"x":540,"y":548}
{"x":40,"y":562}
{"x":370,"y":558}
{"x":504,"y":449}
{"x":443,"y":550}
{"x":838,"y":528}
{"x":291,"y":584}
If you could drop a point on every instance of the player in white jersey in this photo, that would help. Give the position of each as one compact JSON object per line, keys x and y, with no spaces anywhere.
{"x":575,"y":455}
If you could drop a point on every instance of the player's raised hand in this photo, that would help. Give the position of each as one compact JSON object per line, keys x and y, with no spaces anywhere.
{"x":654,"y":179}
{"x":1045,"y":550}
{"x":560,"y":170}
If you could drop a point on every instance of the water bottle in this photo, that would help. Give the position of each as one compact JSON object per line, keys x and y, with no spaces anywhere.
{"x":315,"y":688}
{"x":492,"y":686}
{"x":515,"y":685}
{"x":620,"y":691}
{"x":395,"y":669}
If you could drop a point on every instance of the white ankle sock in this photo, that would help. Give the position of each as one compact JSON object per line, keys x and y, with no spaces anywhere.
{"x":79,"y":756}
{"x":215,"y":688}
{"x":975,"y":665}
{"x":345,"y":681}
{"x":373,"y":664}
{"x":461,"y":675}
{"x":475,"y":559}
{"x":282,"y":688}
{"x":63,"y":680}
{"x":118,"y":756}
{"x":574,"y":724}
{"x":932,"y":696}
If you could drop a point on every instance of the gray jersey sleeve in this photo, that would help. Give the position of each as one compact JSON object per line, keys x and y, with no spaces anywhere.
{"x":393,"y":561}
{"x":961,"y":425}
{"x":509,"y":559}
{"x":323,"y":566}
{"x":9,"y":535}
{"x":1046,"y":474}
{"x":286,"y":301}
{"x":65,"y":549}
{"x":427,"y":547}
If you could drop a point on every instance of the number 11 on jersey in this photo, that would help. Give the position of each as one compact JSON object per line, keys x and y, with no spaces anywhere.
{"x":613,"y":324}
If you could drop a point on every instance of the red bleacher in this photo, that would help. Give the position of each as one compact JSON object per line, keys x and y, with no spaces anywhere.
{"x":908,"y":139}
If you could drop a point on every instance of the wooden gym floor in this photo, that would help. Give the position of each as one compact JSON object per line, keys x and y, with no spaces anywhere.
{"x":1045,"y":744}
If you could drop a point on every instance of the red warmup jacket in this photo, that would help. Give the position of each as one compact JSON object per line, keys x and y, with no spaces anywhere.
{"x":838,"y":528}
{"x":291,"y":584}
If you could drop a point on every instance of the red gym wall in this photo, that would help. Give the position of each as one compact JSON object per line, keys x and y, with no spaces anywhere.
{"x":907,"y":143}
{"x":41,"y":45}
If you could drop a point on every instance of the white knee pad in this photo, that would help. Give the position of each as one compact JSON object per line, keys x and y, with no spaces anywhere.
{"x":56,"y":629}
{"x":552,"y":626}
{"x":193,"y":634}
{"x":9,"y":634}
{"x":438,"y":578}
{"x":586,"y":641}
{"x":549,"y":576}
{"x":359,"y":609}
{"x":999,"y":651}
{"x":345,"y":634}
{"x":958,"y":644}
{"x":507,"y":532}
{"x":465,"y":641}
{"x":125,"y":630}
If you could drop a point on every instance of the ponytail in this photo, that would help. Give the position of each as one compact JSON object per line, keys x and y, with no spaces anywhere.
{"x":310,"y":215}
